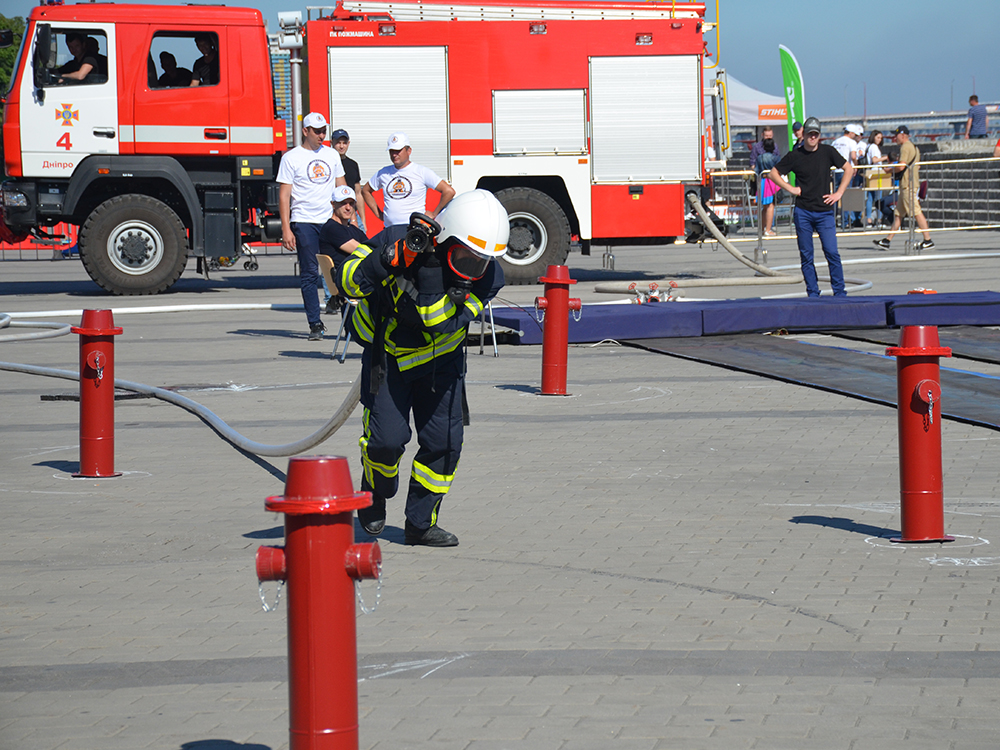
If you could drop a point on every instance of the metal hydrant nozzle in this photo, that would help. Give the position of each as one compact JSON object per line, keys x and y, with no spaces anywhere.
{"x":918,"y":392}
{"x":556,"y":305}
{"x":97,"y":393}
{"x":320,"y":563}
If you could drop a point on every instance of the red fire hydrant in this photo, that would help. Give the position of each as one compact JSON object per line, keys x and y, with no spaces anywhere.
{"x":918,"y":384}
{"x":320,"y":563}
{"x":97,"y":394}
{"x":555,"y":307}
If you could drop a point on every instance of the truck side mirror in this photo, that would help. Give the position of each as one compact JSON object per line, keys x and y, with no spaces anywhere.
{"x":42,"y":57}
{"x":6,"y":38}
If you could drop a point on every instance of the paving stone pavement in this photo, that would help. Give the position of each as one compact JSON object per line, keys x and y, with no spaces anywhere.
{"x":673,"y":556}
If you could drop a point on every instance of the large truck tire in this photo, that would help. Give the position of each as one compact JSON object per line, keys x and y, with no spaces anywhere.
{"x":133,"y":244}
{"x":539,"y":235}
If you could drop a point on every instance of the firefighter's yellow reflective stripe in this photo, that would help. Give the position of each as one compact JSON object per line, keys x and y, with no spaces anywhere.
{"x":434,"y":513}
{"x":474,"y":305}
{"x":368,"y":465}
{"x":346,"y":278}
{"x":361,"y":319}
{"x":438,"y":312}
{"x":407,"y":359}
{"x":431,"y":480}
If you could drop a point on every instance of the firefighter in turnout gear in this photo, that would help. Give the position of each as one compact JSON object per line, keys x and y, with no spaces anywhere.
{"x":420,"y":287}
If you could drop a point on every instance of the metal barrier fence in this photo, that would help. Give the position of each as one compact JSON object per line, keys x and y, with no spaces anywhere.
{"x":960,"y":194}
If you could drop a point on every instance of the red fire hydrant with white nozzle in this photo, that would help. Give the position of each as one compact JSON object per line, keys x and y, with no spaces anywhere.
{"x":320,"y":563}
{"x":555,"y":307}
{"x":97,"y":393}
{"x":918,"y":388}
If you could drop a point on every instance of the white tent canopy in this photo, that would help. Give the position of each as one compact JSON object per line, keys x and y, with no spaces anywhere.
{"x":748,"y":106}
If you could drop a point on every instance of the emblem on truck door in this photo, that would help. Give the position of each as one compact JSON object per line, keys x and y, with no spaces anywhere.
{"x":67,"y":114}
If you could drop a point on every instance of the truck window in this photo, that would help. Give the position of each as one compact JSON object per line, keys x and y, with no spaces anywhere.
{"x":181,"y":59}
{"x":81,"y":57}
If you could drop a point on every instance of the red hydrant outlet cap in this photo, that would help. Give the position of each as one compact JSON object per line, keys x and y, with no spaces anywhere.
{"x":318,"y":484}
{"x":97,"y":323}
{"x":556,"y":275}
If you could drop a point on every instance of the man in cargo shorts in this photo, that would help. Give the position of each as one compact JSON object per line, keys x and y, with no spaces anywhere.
{"x":908,"y":170}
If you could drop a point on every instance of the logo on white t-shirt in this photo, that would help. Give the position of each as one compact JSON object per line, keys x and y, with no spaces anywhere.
{"x":399,"y":188}
{"x":318,"y":172}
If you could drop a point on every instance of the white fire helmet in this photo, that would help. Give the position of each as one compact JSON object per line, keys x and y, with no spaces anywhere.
{"x":478,"y":221}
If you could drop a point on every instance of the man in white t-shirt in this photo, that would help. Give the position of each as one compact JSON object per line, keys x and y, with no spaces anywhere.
{"x":307,"y":176}
{"x":847,"y":146}
{"x":404,"y":186}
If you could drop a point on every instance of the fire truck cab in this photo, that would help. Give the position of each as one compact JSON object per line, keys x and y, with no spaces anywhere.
{"x":152,"y":128}
{"x":585,"y":118}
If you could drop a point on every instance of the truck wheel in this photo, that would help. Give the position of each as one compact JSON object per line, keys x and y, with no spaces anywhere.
{"x":539,"y":234}
{"x":133,"y":244}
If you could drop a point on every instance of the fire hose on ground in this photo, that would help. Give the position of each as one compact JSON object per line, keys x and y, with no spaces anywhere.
{"x":211,"y":419}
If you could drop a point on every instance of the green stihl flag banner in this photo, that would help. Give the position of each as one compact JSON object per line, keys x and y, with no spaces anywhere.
{"x":795,"y":95}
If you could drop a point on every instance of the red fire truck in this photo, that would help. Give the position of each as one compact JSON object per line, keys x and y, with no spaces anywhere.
{"x":150,"y":167}
{"x":585,"y":118}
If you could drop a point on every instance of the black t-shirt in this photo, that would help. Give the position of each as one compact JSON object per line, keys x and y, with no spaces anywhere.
{"x":74,"y":65}
{"x":206,"y":72}
{"x":812,"y":174}
{"x":333,"y":234}
{"x":352,"y":172}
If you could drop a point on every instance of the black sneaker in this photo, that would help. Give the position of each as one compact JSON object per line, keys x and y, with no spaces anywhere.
{"x":925,"y":245}
{"x":332,"y":305}
{"x":882,"y":244}
{"x":316,"y":332}
{"x":372,"y":518}
{"x":435,"y":536}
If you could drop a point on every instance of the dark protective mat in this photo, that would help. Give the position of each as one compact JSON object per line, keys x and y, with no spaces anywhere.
{"x":966,"y":342}
{"x":966,"y":397}
{"x":823,"y":314}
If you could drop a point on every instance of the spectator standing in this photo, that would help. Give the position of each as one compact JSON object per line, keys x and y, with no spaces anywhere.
{"x":873,"y":177}
{"x":404,"y":186}
{"x":307,"y":176}
{"x":811,"y":164}
{"x":908,"y":204}
{"x":847,"y":147}
{"x":978,"y":124}
{"x":341,"y":141}
{"x":768,"y":188}
{"x":758,"y":148}
{"x":797,"y":133}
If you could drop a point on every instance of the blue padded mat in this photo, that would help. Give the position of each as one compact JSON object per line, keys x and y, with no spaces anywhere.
{"x":682,"y":319}
{"x":599,"y":322}
{"x":750,"y":315}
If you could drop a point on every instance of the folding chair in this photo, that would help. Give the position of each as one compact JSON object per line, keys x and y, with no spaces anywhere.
{"x":326,"y":266}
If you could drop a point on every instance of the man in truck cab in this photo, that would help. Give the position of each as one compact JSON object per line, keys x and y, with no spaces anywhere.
{"x":83,"y":67}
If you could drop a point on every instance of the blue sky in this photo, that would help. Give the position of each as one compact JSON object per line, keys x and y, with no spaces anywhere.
{"x":912,"y":56}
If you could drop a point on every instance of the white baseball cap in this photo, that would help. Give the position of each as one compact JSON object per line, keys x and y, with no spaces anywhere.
{"x":855,"y":128}
{"x":397,"y":141}
{"x":314,"y":120}
{"x":343,"y":193}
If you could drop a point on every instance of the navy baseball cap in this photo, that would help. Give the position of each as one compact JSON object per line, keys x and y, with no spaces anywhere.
{"x":796,"y":126}
{"x":336,"y":135}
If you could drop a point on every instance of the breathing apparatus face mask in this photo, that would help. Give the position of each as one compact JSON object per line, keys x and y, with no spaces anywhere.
{"x":465,"y":263}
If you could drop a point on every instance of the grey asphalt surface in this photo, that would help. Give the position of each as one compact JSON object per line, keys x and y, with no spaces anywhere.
{"x":674,"y":556}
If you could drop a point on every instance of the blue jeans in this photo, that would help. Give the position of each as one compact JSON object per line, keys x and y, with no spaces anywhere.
{"x":872,"y":197}
{"x":824,"y":224}
{"x":306,"y":246}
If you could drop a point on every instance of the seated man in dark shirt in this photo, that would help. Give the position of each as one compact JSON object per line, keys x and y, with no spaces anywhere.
{"x":205,"y":71}
{"x":83,"y":67}
{"x":339,"y":237}
{"x":172,"y":75}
